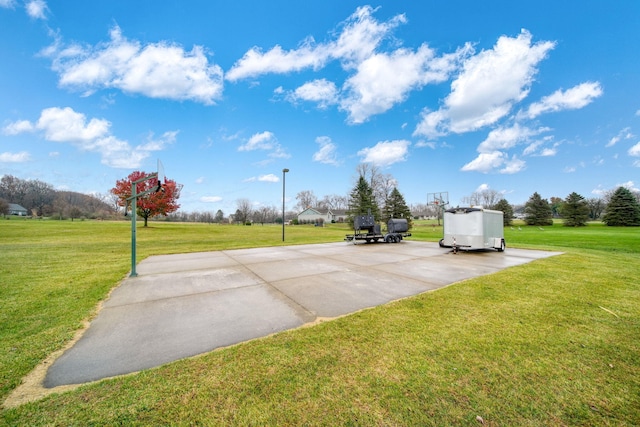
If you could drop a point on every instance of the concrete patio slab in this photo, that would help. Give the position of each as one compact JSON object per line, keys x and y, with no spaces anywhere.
{"x":188,"y":304}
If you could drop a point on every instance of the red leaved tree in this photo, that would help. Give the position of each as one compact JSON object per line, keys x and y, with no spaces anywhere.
{"x":155,"y":203}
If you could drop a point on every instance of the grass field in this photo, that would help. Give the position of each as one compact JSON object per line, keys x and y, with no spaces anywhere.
{"x":553,"y":342}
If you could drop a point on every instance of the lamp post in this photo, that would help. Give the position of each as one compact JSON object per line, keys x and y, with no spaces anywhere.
{"x":284,"y":171}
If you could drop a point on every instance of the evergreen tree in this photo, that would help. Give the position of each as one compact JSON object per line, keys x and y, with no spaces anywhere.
{"x":538,"y":211}
{"x":575,"y":210}
{"x":361,"y":201}
{"x":623,"y":209}
{"x":396,"y":207}
{"x":507,"y":210}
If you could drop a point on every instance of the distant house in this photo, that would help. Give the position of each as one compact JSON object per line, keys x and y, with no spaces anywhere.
{"x":322,"y":215}
{"x":15,"y":209}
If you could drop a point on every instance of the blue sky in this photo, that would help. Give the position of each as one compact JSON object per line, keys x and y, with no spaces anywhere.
{"x":455,"y":96}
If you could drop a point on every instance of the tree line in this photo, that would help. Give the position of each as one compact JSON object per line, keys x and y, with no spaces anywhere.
{"x":373,"y":192}
{"x":42,"y":200}
{"x":620,"y":207}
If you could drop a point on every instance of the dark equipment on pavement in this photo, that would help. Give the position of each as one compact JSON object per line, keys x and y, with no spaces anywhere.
{"x":366,"y":228}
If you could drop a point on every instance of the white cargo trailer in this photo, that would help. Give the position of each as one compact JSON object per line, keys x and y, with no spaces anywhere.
{"x":472,"y":228}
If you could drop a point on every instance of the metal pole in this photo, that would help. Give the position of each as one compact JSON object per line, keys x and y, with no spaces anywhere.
{"x":284,"y":171}
{"x":134,"y":214}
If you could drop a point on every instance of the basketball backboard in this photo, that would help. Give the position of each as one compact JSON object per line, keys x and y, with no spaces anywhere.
{"x":161,"y":177}
{"x":440,"y":199}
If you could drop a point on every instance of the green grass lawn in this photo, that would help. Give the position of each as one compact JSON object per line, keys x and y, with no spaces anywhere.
{"x":553,"y":342}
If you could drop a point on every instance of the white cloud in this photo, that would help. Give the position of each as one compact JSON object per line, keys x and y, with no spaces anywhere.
{"x":17,"y":127}
{"x":487,"y":162}
{"x":321,"y":91}
{"x":429,"y":144}
{"x":157,"y":70}
{"x":549,"y":151}
{"x":429,"y":125}
{"x":268,"y":178}
{"x":622,"y":135}
{"x":200,"y":180}
{"x":255,"y":62}
{"x":210,"y":199}
{"x":503,"y":138}
{"x":327,"y":152}
{"x":380,"y":80}
{"x":36,"y":9}
{"x":8,"y":4}
{"x":64,"y":125}
{"x":360,"y":36}
{"x":513,"y":165}
{"x":635,"y":150}
{"x":260,"y":141}
{"x":537,"y":148}
{"x":489,"y":84}
{"x":571,"y":99}
{"x":265,"y":141}
{"x":19,"y":157}
{"x":386,"y":153}
{"x":383,"y":80}
{"x":493,"y":150}
{"x":532,"y":148}
{"x":629,"y":185}
{"x":262,"y":178}
{"x":159,"y":144}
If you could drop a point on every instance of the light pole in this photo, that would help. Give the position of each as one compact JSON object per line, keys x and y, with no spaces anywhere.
{"x":284,"y":171}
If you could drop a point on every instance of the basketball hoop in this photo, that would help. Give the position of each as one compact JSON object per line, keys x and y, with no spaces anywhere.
{"x":439,"y":201}
{"x":159,"y":176}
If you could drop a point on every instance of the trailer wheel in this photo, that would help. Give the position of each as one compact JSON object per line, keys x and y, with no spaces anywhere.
{"x":503,"y":246}
{"x":441,"y":243}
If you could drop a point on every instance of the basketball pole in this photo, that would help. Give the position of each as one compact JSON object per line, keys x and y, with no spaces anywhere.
{"x":134,"y":214}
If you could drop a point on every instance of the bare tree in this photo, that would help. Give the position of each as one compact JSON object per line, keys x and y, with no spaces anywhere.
{"x":4,"y":207}
{"x":487,"y":198}
{"x":306,"y":199}
{"x":333,"y":201}
{"x":266,"y":214}
{"x":382,"y":184}
{"x":13,"y":189}
{"x":243,"y":213}
{"x":40,"y":196}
